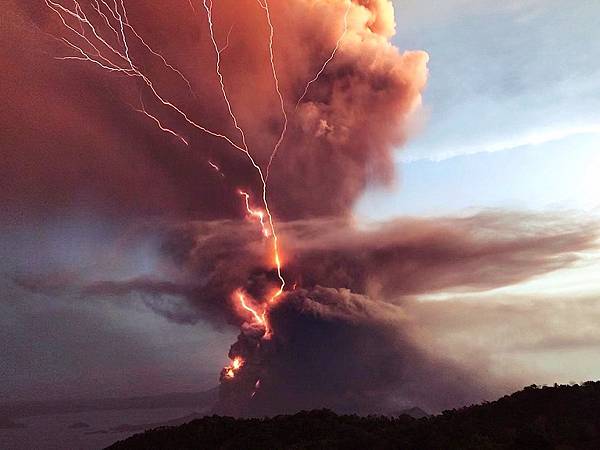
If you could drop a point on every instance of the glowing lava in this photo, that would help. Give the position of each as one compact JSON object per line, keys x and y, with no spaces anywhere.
{"x":231,"y":370}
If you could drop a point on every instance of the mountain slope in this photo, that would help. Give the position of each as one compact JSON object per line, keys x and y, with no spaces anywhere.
{"x":564,"y":417}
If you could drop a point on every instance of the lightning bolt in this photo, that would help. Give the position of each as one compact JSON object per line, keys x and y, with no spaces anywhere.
{"x":265,"y":7}
{"x":155,"y":53}
{"x":331,"y":56}
{"x":98,"y":9}
{"x":99,"y":50}
{"x":257,"y":317}
{"x":260,"y":215}
{"x":226,"y":46}
{"x":216,"y":167}
{"x":158,"y":123}
{"x":208,"y":7}
{"x":126,"y":67}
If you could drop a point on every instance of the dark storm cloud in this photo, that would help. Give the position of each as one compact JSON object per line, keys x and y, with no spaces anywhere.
{"x":347,"y":352}
{"x":400,"y":259}
{"x":405,"y":257}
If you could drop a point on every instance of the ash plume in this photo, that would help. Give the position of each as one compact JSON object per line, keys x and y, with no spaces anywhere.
{"x":339,"y":335}
{"x":348,"y":123}
{"x":342,"y":351}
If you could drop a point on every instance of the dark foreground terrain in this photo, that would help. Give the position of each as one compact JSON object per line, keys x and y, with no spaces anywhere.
{"x":559,"y":417}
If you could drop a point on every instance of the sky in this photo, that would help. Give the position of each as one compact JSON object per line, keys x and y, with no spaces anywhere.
{"x":509,"y":127}
{"x":511,"y":121}
{"x":511,"y":109}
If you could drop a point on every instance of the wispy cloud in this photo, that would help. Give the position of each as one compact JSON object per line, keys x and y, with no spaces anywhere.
{"x":535,"y":137}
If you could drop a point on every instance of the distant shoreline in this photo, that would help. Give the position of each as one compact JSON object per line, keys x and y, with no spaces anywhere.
{"x":199,"y":401}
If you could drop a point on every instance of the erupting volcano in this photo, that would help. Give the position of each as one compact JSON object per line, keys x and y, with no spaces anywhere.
{"x":253,"y":208}
{"x":294,"y":108}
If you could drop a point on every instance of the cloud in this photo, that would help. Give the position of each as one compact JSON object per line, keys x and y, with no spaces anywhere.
{"x":74,"y":142}
{"x":347,"y":352}
{"x":353,"y":335}
{"x":531,"y":138}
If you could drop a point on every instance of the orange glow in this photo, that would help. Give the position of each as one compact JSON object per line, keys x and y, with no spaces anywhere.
{"x":256,"y":213}
{"x":237,"y":363}
{"x":232,"y":369}
{"x":242,"y":300}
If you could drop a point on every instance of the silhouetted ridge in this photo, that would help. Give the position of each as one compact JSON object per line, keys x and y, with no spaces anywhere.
{"x":535,"y":418}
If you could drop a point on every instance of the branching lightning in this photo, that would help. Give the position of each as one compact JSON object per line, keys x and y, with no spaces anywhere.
{"x":208,"y":7}
{"x":128,"y":67}
{"x":258,"y":318}
{"x":112,"y":53}
{"x":155,"y":53}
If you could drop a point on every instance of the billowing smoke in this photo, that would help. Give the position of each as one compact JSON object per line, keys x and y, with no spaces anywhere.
{"x":348,"y":337}
{"x":341,"y":335}
{"x":343,"y":351}
{"x":90,"y":147}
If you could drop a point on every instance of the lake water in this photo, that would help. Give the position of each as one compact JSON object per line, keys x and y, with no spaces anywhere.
{"x":53,"y":432}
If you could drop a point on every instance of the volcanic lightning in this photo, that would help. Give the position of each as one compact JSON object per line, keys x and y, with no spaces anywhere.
{"x":259,"y":214}
{"x":118,"y":58}
{"x":328,"y":60}
{"x":265,"y":6}
{"x":159,"y":124}
{"x":101,"y":33}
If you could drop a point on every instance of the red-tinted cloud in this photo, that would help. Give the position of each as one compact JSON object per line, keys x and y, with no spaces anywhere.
{"x":72,"y":140}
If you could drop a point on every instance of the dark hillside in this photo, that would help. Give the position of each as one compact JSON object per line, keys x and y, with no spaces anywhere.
{"x":565,"y":417}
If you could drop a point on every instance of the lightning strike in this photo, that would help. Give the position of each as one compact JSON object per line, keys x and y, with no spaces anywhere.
{"x":117,"y":58}
{"x":107,"y":21}
{"x":216,"y":167}
{"x":161,"y":126}
{"x":260,"y":215}
{"x":328,"y":60}
{"x":158,"y":55}
{"x":208,"y":7}
{"x":257,"y":317}
{"x":265,"y":6}
{"x":226,"y":46}
{"x":130,"y":69}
